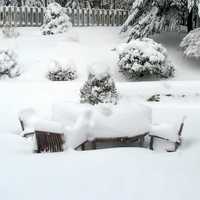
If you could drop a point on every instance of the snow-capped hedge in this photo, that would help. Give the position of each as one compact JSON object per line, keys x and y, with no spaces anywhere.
{"x":100,"y":86}
{"x":61,"y":72}
{"x":144,"y":58}
{"x":8,"y":64}
{"x":191,"y":44}
{"x":56,"y":20}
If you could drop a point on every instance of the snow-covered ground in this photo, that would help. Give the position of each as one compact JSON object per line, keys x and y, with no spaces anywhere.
{"x":79,"y":46}
{"x":121,"y":173}
{"x":84,"y":46}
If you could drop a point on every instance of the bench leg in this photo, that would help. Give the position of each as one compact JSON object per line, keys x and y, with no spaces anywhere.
{"x":141,"y":141}
{"x":83,"y":147}
{"x":94,"y":146}
{"x":151,"y":142}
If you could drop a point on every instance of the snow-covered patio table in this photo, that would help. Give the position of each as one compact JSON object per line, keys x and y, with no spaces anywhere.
{"x":87,"y":123}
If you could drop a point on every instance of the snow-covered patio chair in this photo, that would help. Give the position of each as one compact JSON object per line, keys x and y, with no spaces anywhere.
{"x":27,"y":119}
{"x":166,"y":135}
{"x":49,"y":136}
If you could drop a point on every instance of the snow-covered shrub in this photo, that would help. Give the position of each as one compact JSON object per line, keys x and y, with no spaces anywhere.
{"x":60,"y":72}
{"x":100,"y":86}
{"x":8,"y":64}
{"x":144,"y":58}
{"x":56,"y":20}
{"x":9,"y":31}
{"x":191,"y":44}
{"x":34,"y":3}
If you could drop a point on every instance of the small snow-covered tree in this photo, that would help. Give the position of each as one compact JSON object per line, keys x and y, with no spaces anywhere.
{"x":144,"y":59}
{"x":8,"y":64}
{"x":191,"y":44}
{"x":56,"y":20}
{"x":100,"y":86}
{"x":60,"y":72}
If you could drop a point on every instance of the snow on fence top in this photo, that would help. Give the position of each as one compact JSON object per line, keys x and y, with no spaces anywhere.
{"x":33,"y":16}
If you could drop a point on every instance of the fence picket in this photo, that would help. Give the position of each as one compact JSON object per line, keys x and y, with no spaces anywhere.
{"x":33,"y":16}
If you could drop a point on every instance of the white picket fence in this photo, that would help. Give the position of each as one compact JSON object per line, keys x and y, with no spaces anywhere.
{"x":33,"y":16}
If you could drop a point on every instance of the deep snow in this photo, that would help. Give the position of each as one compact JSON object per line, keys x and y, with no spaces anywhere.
{"x":112,"y":174}
{"x":84,"y":46}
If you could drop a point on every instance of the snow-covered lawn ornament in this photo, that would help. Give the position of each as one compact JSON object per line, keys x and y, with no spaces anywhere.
{"x":191,"y":44}
{"x":61,"y":72}
{"x":8,"y":64}
{"x":100,"y":86}
{"x":144,"y":59}
{"x":56,"y":20}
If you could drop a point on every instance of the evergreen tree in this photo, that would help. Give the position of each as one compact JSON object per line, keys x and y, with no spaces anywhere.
{"x":56,"y":20}
{"x":153,"y":16}
{"x":100,"y":87}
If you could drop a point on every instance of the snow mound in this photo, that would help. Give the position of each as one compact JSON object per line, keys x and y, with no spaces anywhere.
{"x":49,"y":126}
{"x":99,"y":70}
{"x":191,"y":44}
{"x":124,"y":120}
{"x":85,"y":122}
{"x":29,"y":118}
{"x":168,"y":131}
{"x":61,"y":72}
{"x":99,"y":87}
{"x":8,"y":64}
{"x":11,"y":144}
{"x":56,"y":20}
{"x":144,"y":58}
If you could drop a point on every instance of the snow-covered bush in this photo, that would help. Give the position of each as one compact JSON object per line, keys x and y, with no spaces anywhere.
{"x":56,"y":20}
{"x":9,"y":31}
{"x":60,"y":72}
{"x":34,"y":3}
{"x":191,"y":44}
{"x":8,"y":64}
{"x":144,"y":58}
{"x":100,"y":86}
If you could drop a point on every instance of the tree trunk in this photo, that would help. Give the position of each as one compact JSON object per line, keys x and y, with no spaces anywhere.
{"x":190,"y":21}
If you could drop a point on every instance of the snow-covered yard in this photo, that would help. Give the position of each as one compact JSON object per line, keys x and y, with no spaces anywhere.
{"x":102,"y":174}
{"x":121,"y":173}
{"x":84,"y":46}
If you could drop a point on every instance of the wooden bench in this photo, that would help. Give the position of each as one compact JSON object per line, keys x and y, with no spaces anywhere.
{"x":120,"y":141}
{"x":49,"y":142}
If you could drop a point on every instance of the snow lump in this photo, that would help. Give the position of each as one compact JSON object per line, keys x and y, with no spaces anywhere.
{"x":56,"y":20}
{"x":100,"y":86}
{"x":144,"y":59}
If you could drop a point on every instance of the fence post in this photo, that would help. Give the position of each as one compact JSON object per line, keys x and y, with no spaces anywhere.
{"x":93,"y":17}
{"x":72,"y":17}
{"x":42,"y":16}
{"x":88,"y":17}
{"x":83,"y":17}
{"x":98,"y":17}
{"x":103,"y":17}
{"x":78,"y":17}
